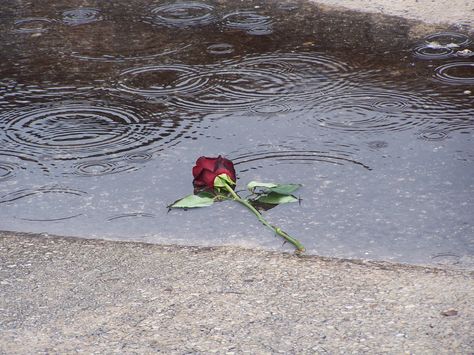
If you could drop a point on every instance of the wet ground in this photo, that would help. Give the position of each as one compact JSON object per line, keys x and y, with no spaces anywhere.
{"x":104,"y":108}
{"x":70,"y":295}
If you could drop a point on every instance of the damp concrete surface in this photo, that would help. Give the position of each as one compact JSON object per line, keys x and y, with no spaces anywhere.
{"x":64,"y":296}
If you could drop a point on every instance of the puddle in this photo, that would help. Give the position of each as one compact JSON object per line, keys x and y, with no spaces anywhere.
{"x":104,"y":108}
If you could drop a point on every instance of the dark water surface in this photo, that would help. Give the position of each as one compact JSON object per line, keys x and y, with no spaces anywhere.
{"x":104,"y":107}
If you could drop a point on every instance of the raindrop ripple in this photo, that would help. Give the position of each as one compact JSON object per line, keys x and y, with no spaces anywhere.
{"x":449,"y":38}
{"x":220,"y":48}
{"x":265,"y":158}
{"x":246,"y":83}
{"x":76,"y":131}
{"x":81,"y":16}
{"x":7,"y":170}
{"x":369,"y":111}
{"x":23,"y":193}
{"x":456,"y":73}
{"x":182,"y":14}
{"x":32,"y":25}
{"x":429,"y":53}
{"x":100,"y":168}
{"x":160,"y":80}
{"x":433,"y":135}
{"x":249,"y":21}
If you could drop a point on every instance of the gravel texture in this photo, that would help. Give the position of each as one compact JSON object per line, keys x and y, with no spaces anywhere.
{"x":63,"y":296}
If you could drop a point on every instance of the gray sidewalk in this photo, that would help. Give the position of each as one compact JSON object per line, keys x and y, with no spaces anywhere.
{"x":62,"y":295}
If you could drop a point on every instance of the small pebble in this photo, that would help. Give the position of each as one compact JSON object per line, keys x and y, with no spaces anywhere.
{"x":450,"y":313}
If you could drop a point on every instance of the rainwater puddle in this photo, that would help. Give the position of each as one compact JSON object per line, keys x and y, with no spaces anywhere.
{"x":105,"y":106}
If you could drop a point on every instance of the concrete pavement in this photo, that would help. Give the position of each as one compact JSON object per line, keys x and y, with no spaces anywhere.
{"x":66,"y":296}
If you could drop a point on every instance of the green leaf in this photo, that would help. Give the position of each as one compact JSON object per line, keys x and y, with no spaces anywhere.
{"x":274,"y":198}
{"x":285,"y":189}
{"x":222,"y":180}
{"x":202,"y":199}
{"x":252,"y":185}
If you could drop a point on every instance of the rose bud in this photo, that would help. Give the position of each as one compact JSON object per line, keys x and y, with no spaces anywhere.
{"x":207,"y":169}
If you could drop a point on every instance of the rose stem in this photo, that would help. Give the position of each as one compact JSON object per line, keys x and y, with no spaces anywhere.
{"x":300,"y":248}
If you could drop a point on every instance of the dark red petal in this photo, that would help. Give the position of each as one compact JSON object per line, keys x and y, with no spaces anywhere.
{"x":203,"y":163}
{"x":206,"y":178}
{"x":206,"y":162}
{"x":224,"y":165}
{"x":227,"y":172}
{"x":197,"y":182}
{"x":197,"y":170}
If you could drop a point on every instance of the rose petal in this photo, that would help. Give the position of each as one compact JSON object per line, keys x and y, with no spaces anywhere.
{"x":204,"y":163}
{"x":197,"y":170}
{"x":205,"y":178}
{"x":225,"y":166}
{"x":207,"y":162}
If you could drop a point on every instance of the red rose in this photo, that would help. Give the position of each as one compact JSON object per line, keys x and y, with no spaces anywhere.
{"x":207,"y":169}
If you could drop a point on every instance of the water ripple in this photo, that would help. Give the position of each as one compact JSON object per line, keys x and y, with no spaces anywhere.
{"x":122,"y":41}
{"x":370,"y":111}
{"x":122,"y":57}
{"x":23,"y":158}
{"x":243,"y":84}
{"x":456,"y":73}
{"x":130,"y":215}
{"x":138,"y":157}
{"x":100,"y":168}
{"x":433,"y":135}
{"x":271,"y":108}
{"x":14,"y":95}
{"x":441,"y":46}
{"x":233,"y":89}
{"x":182,"y":14}
{"x":249,"y":21}
{"x":82,"y":131}
{"x":307,"y":73}
{"x":160,"y":80}
{"x":288,"y":153}
{"x":44,"y":204}
{"x":50,"y":219}
{"x":448,"y":39}
{"x":7,"y":170}
{"x":432,"y":53}
{"x":220,"y":48}
{"x":289,"y":6}
{"x":32,"y":25}
{"x":23,"y":193}
{"x":81,"y":16}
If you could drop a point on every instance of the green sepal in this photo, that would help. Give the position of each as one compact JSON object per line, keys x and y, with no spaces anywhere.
{"x":274,"y":198}
{"x":223,"y":179}
{"x":202,"y":199}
